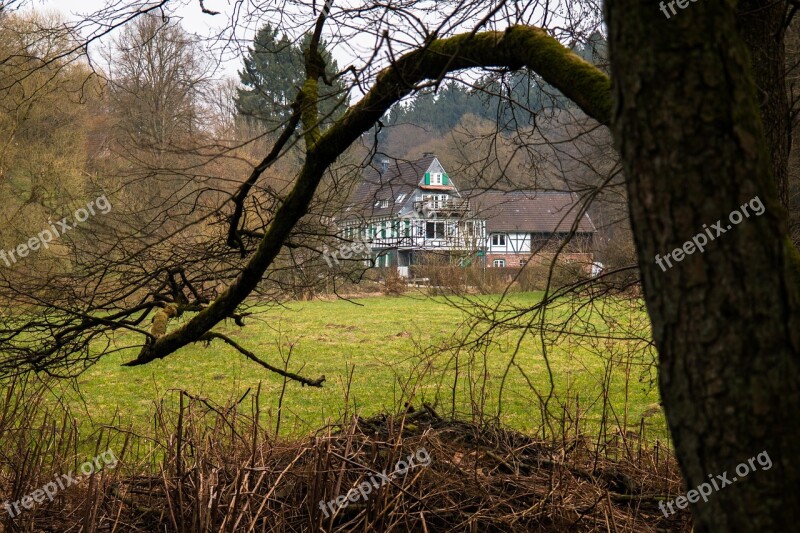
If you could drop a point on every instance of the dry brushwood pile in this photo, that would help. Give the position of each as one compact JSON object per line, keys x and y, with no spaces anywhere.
{"x":476,"y":478}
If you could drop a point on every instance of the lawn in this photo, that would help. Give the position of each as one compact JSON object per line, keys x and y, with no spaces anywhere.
{"x":378,"y":353}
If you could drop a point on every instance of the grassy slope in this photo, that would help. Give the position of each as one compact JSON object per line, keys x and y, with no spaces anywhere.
{"x":378,"y":340}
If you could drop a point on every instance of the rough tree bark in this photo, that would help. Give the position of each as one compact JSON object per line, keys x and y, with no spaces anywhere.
{"x":727,"y":321}
{"x":761,"y":25}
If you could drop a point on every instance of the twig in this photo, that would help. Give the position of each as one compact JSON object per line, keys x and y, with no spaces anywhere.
{"x":211,"y":335}
{"x":207,"y":11}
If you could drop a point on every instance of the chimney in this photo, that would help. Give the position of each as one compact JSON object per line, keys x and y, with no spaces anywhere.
{"x":384,"y":166}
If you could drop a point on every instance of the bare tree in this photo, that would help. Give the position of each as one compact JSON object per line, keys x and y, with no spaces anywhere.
{"x":156,"y":76}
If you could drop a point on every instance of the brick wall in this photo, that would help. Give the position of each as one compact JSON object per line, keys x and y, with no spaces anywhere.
{"x":513,"y":260}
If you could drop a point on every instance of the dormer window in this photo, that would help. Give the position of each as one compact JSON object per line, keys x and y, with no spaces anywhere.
{"x":401,"y":198}
{"x":436,"y":178}
{"x":384,"y":203}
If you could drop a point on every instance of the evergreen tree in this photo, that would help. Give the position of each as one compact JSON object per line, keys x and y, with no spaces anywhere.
{"x":274,"y":71}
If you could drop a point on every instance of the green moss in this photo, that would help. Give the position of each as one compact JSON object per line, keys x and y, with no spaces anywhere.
{"x":531,"y":47}
{"x":309,"y":115}
{"x":582,"y":82}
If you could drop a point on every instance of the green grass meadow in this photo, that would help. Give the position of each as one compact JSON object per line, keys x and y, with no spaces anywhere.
{"x":376,"y":353}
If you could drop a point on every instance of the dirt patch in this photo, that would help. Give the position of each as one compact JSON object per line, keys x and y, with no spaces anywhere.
{"x":341,"y":326}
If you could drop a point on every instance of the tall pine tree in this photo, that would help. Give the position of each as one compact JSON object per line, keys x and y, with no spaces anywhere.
{"x":274,"y":70}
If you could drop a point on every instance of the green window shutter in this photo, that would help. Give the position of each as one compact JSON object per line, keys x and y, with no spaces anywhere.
{"x":445,"y":179}
{"x":427,"y":178}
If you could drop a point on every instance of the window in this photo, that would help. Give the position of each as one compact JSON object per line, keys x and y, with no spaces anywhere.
{"x":384,"y":203}
{"x":522,"y":262}
{"x":401,"y":198}
{"x":436,"y":178}
{"x":498,"y":239}
{"x":434,"y":230}
{"x":499,"y":263}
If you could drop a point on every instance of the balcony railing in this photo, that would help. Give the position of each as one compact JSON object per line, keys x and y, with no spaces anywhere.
{"x":453,"y":205}
{"x":424,"y":242}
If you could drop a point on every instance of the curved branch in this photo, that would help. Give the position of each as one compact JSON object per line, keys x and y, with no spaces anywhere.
{"x":208,"y":337}
{"x":517,"y":47}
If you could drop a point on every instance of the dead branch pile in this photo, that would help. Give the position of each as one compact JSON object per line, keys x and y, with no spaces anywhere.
{"x":228,"y":476}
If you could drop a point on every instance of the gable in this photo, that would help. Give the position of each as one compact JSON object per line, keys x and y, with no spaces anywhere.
{"x":392,"y":187}
{"x":436,"y":177}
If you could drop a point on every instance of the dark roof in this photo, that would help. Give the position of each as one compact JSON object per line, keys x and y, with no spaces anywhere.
{"x":402,"y":177}
{"x":529,"y":211}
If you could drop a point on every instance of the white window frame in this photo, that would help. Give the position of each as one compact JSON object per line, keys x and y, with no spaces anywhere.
{"x":499,"y":263}
{"x":499,"y":239}
{"x":436,"y":178}
{"x":401,"y":198}
{"x":436,"y":225}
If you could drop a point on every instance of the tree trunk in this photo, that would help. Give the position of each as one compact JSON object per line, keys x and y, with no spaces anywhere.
{"x":760,"y":24}
{"x":725,"y":321}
